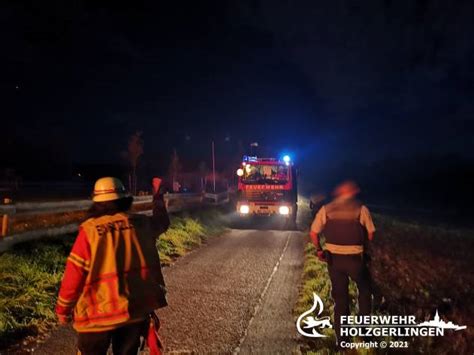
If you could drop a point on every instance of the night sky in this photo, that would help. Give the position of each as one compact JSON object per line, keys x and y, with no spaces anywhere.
{"x":330,"y":81}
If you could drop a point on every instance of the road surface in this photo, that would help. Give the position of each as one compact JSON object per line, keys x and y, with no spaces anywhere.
{"x":233,"y":295}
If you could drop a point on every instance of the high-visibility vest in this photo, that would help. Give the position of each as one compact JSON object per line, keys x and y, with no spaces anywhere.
{"x":122,"y":285}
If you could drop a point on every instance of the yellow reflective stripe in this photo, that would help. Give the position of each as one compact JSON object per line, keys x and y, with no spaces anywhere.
{"x":344,"y":249}
{"x":81,"y":263}
{"x":65,"y":303}
{"x":79,"y":259}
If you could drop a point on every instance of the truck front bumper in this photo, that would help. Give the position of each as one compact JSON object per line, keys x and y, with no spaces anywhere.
{"x":264,"y":209}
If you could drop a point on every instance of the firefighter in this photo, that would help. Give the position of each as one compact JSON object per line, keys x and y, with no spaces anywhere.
{"x":113,"y":281}
{"x":345,"y":223}
{"x":316,"y":201}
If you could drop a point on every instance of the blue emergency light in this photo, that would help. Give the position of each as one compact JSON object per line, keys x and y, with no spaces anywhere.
{"x":248,"y":158}
{"x":286,"y":158}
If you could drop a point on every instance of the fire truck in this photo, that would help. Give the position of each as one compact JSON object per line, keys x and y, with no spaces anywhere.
{"x":267,"y":187}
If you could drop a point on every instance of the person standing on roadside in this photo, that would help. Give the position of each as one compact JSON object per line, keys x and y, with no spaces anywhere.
{"x":316,"y":201}
{"x":346,"y":223}
{"x":113,"y":281}
{"x":160,"y":220}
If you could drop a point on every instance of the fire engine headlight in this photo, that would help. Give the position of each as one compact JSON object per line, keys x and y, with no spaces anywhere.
{"x":284,"y":210}
{"x":244,"y":209}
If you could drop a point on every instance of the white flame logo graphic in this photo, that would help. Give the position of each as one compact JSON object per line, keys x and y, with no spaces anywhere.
{"x":312,"y":322}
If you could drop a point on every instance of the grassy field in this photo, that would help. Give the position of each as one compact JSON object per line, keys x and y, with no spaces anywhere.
{"x":417,"y":269}
{"x":30,"y":274}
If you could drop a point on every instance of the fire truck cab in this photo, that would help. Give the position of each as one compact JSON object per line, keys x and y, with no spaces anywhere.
{"x":267,"y":187}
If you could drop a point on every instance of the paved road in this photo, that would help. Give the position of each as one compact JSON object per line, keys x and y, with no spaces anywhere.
{"x":234,"y":294}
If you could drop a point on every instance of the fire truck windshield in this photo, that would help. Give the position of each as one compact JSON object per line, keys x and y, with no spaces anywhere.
{"x":265,"y":174}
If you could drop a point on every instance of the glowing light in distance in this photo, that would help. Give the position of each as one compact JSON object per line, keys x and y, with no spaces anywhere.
{"x":285,"y":210}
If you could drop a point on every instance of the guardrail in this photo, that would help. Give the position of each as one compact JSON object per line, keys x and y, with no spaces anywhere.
{"x":35,"y":208}
{"x":175,"y":202}
{"x":219,"y":198}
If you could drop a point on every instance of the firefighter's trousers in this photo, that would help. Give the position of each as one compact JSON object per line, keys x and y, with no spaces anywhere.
{"x":341,"y":267}
{"x":125,"y":340}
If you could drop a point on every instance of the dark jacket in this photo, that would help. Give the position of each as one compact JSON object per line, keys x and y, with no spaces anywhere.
{"x":154,"y":227}
{"x":160,"y":220}
{"x":145,"y":226}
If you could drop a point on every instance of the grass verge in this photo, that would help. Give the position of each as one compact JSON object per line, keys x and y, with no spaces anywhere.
{"x":188,"y":230}
{"x":316,"y":279}
{"x":30,"y":274}
{"x":29,"y":280}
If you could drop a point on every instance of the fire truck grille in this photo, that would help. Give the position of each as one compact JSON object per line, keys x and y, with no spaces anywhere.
{"x":264,"y":196}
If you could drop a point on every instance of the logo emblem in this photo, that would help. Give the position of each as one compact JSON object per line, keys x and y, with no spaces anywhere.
{"x":437,"y":322}
{"x":309,"y":322}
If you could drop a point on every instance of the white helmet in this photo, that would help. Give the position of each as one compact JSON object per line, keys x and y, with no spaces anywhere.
{"x":108,"y":189}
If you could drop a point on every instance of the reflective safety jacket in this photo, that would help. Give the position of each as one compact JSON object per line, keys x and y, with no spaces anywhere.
{"x":112,"y":277}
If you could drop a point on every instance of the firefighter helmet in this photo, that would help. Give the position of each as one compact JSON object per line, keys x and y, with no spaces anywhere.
{"x":108,"y":189}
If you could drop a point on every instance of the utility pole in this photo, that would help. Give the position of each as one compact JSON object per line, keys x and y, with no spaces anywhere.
{"x":252,"y":146}
{"x":213,"y":167}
